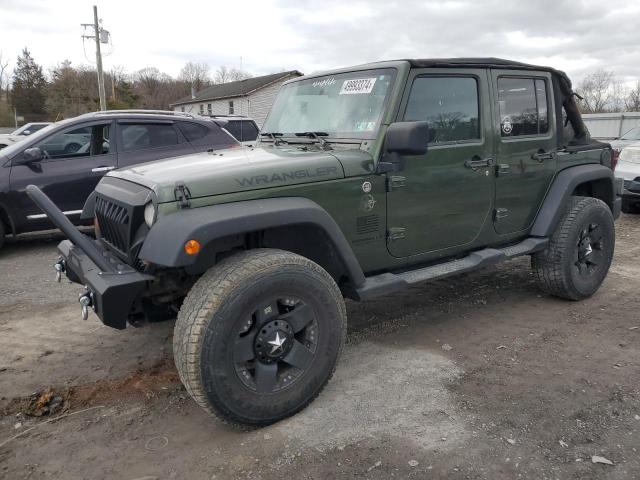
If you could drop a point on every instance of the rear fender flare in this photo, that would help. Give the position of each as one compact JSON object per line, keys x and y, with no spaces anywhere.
{"x":164,"y":244}
{"x":562,"y":188}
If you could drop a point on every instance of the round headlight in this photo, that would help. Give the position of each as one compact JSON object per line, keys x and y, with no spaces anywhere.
{"x":149,"y":214}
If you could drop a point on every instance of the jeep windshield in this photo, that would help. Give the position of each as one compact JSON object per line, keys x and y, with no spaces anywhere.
{"x":344,"y":105}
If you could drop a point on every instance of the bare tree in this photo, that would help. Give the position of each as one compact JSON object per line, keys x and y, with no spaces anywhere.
{"x":4,"y":76}
{"x":632,"y":99}
{"x":196,"y":75}
{"x":596,"y":91}
{"x":225,"y":74}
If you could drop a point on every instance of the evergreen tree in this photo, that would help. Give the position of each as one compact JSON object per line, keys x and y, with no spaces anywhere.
{"x":29,"y":85}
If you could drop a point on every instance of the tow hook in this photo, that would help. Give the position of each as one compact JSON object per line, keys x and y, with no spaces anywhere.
{"x":60,"y":267}
{"x":86,"y":301}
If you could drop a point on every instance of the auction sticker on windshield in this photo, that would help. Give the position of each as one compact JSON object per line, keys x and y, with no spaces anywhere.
{"x":357,"y":85}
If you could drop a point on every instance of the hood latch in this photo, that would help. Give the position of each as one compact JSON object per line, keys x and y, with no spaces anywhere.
{"x":182,"y":194}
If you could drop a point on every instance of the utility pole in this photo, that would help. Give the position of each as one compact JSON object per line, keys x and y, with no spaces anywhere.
{"x":97,"y":35}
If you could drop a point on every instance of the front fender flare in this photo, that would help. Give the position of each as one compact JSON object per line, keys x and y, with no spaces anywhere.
{"x":164,"y":244}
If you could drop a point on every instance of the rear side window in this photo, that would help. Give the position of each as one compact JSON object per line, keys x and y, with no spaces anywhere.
{"x":449,"y":104}
{"x":523,"y":106}
{"x":193,"y":131}
{"x":242,"y":130}
{"x":138,"y":136}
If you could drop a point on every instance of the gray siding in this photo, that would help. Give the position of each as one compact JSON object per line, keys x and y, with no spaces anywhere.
{"x":255,"y":105}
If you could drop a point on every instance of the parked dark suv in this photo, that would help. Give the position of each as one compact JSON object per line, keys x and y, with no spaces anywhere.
{"x":68,"y":158}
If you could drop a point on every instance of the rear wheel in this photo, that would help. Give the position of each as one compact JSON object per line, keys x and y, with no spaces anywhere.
{"x":259,"y":335}
{"x":577,"y":259}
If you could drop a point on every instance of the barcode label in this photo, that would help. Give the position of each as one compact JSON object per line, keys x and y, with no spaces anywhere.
{"x":357,"y":86}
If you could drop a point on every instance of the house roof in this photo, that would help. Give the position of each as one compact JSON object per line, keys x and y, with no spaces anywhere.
{"x":236,"y":89}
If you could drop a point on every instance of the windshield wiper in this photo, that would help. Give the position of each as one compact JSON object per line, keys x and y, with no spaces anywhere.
{"x":317,"y":136}
{"x":273,"y":136}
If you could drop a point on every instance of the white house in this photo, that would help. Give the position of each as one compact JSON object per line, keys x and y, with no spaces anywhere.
{"x":252,"y":97}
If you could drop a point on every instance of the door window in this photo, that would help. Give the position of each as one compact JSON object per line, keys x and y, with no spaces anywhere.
{"x":139,"y":136}
{"x":449,"y":104}
{"x":77,"y":142}
{"x":193,"y":131}
{"x":523,"y":106}
{"x":242,"y":130}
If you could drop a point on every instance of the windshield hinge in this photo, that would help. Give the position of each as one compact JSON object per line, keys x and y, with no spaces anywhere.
{"x":182,"y":194}
{"x":396,"y":181}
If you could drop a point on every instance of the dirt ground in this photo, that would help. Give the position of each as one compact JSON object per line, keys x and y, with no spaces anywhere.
{"x":476,"y":377}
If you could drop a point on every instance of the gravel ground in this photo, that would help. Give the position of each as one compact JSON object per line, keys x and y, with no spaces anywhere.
{"x":475,"y":377}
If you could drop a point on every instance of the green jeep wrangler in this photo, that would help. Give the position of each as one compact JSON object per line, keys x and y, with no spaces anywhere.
{"x":366,"y":180}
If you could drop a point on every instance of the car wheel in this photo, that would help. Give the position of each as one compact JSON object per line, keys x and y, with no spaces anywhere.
{"x":71,"y":148}
{"x":259,"y":335}
{"x":580,"y":251}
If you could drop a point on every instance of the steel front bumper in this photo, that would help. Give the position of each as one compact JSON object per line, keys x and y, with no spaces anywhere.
{"x":111,"y":294}
{"x":112,"y":287}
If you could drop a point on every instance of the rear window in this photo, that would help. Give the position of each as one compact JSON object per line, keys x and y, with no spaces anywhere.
{"x":193,"y":131}
{"x":147,"y":135}
{"x":523,"y":106}
{"x":242,"y":130}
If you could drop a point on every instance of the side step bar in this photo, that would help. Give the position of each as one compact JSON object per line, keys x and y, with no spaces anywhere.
{"x":391,"y":282}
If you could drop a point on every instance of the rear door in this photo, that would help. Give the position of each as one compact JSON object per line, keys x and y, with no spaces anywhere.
{"x":526,"y":146}
{"x":441,"y":200}
{"x":147,"y":140}
{"x":75,"y":160}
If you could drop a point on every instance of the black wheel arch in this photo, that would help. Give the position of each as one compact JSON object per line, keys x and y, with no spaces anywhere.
{"x":7,"y":220}
{"x":294,"y":224}
{"x":591,"y":180}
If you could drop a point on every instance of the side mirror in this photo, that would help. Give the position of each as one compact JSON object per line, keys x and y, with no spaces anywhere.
{"x":407,"y":138}
{"x":26,"y":132}
{"x":30,"y":155}
{"x":403,"y":138}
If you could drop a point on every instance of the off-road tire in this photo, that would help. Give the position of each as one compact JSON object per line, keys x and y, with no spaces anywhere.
{"x":555,"y":267}
{"x":209,"y":317}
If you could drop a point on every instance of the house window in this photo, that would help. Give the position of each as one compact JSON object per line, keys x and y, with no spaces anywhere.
{"x":182,"y":109}
{"x":231,"y":107}
{"x":209,"y":111}
{"x":202,"y":109}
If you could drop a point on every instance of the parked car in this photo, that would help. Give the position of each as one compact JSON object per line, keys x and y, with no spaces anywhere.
{"x":68,"y":158}
{"x":629,"y":138}
{"x":628,"y":168}
{"x":21,"y":133}
{"x":244,"y":129}
{"x":366,"y":180}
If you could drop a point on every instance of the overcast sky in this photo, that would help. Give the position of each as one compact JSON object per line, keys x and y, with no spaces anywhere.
{"x":308,"y":35}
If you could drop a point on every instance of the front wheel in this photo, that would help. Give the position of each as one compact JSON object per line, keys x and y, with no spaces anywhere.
{"x":259,"y":335}
{"x":577,"y":259}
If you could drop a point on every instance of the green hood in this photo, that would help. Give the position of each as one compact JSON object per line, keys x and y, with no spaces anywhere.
{"x":233,"y":170}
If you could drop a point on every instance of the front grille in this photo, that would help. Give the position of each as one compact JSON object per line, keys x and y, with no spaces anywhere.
{"x":115,"y":224}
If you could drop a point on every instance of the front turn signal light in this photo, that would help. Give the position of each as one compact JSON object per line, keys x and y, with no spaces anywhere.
{"x":192,"y":247}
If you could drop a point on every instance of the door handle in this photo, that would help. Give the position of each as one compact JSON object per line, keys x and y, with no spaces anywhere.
{"x":541,"y":156}
{"x":476,"y":162}
{"x":102,"y":169}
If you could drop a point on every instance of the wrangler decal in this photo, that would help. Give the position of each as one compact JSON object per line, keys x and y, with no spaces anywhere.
{"x":285,"y":176}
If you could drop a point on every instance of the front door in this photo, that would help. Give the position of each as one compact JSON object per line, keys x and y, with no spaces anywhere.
{"x":526,"y":149}
{"x":441,"y":200}
{"x":74,"y":161}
